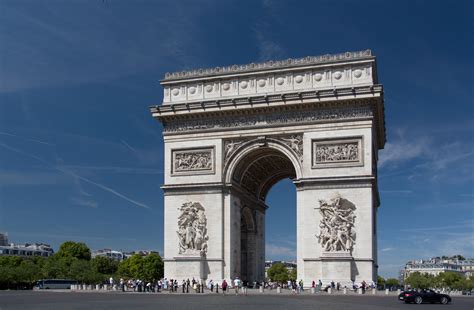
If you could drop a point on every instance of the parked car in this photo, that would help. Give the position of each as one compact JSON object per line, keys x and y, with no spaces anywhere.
{"x":423,"y":296}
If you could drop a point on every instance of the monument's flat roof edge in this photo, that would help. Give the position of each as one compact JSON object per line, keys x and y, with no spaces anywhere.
{"x":268,"y":65}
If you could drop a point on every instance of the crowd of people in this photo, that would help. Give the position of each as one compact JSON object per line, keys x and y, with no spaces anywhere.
{"x":234,"y":286}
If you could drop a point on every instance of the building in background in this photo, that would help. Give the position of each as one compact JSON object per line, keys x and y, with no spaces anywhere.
{"x":437,"y":265}
{"x":111,"y":254}
{"x":24,"y":250}
{"x":3,"y":239}
{"x":120,"y":255}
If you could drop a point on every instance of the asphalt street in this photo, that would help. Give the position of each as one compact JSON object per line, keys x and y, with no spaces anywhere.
{"x":117,"y":300}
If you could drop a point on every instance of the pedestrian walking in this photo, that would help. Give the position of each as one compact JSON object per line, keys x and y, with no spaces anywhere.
{"x":183,"y":285}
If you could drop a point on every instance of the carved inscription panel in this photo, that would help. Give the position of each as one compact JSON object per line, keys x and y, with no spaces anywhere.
{"x":340,"y":152}
{"x":193,"y":161}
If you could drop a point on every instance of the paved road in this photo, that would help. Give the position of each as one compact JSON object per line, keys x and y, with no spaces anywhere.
{"x":116,"y":300}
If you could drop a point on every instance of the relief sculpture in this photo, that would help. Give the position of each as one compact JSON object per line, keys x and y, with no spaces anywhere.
{"x":337,"y":225}
{"x":295,"y":142}
{"x":192,"y":160}
{"x":338,"y":152}
{"x":192,"y":229}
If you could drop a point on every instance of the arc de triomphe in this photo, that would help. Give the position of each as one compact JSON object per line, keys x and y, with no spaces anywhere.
{"x":231,"y":133}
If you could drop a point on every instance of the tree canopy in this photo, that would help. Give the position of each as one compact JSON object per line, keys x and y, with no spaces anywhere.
{"x":278,"y":273}
{"x":77,"y":250}
{"x":73,"y":261}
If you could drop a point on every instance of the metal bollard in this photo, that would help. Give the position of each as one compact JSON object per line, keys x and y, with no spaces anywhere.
{"x":398,"y":292}
{"x":261,"y":289}
{"x":278,"y":290}
{"x":374,"y":291}
{"x":97,"y":287}
{"x":330,"y":290}
{"x":345,"y":291}
{"x":313,"y":290}
{"x":386,"y":291}
{"x":359,"y":290}
{"x":104,"y":288}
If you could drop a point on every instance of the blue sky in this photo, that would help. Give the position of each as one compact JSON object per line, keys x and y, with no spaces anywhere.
{"x":82,"y":159}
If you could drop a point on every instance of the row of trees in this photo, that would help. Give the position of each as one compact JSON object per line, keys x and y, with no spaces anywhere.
{"x":388,"y":283}
{"x":73,"y":261}
{"x":445,"y":280}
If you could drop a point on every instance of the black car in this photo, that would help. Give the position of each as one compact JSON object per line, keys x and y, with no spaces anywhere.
{"x":423,"y":296}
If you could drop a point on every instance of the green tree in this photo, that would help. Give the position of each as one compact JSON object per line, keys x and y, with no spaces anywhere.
{"x":148,"y":268}
{"x":152,"y":267}
{"x":278,"y":273}
{"x":448,"y":279}
{"x":392,"y":282}
{"x":421,"y":281}
{"x":380,"y":281}
{"x":293,"y":274}
{"x":104,"y":265}
{"x":74,"y":249}
{"x":132,"y":267}
{"x":17,"y":272}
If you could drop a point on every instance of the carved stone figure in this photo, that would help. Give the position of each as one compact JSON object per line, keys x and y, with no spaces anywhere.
{"x":192,"y":229}
{"x":296,"y":144}
{"x":337,"y":225}
{"x":338,"y":152}
{"x":192,"y":160}
{"x":231,"y":146}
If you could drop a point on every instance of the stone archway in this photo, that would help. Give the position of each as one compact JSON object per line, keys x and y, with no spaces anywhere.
{"x":253,"y":167}
{"x":231,"y":133}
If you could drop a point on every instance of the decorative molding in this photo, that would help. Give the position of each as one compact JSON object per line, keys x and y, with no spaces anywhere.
{"x":337,"y":152}
{"x":336,"y":233}
{"x":309,"y":60}
{"x":193,"y":161}
{"x":266,"y":120}
{"x":244,"y":86}
{"x":192,"y":229}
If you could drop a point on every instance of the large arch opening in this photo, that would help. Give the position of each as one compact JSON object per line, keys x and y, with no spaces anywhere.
{"x":253,"y":175}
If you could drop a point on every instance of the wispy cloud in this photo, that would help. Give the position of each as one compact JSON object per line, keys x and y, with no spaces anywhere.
{"x":276,"y":252}
{"x":85,"y":203}
{"x":23,"y":138}
{"x":74,"y":175}
{"x":402,"y":151}
{"x":23,"y":178}
{"x":387,"y":249}
{"x":115,"y":169}
{"x":268,"y":47}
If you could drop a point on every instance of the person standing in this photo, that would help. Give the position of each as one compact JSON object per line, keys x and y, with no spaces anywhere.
{"x":224,"y":287}
{"x":183,"y":285}
{"x":244,"y":287}
{"x":188,"y":283}
{"x":237,"y":285}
